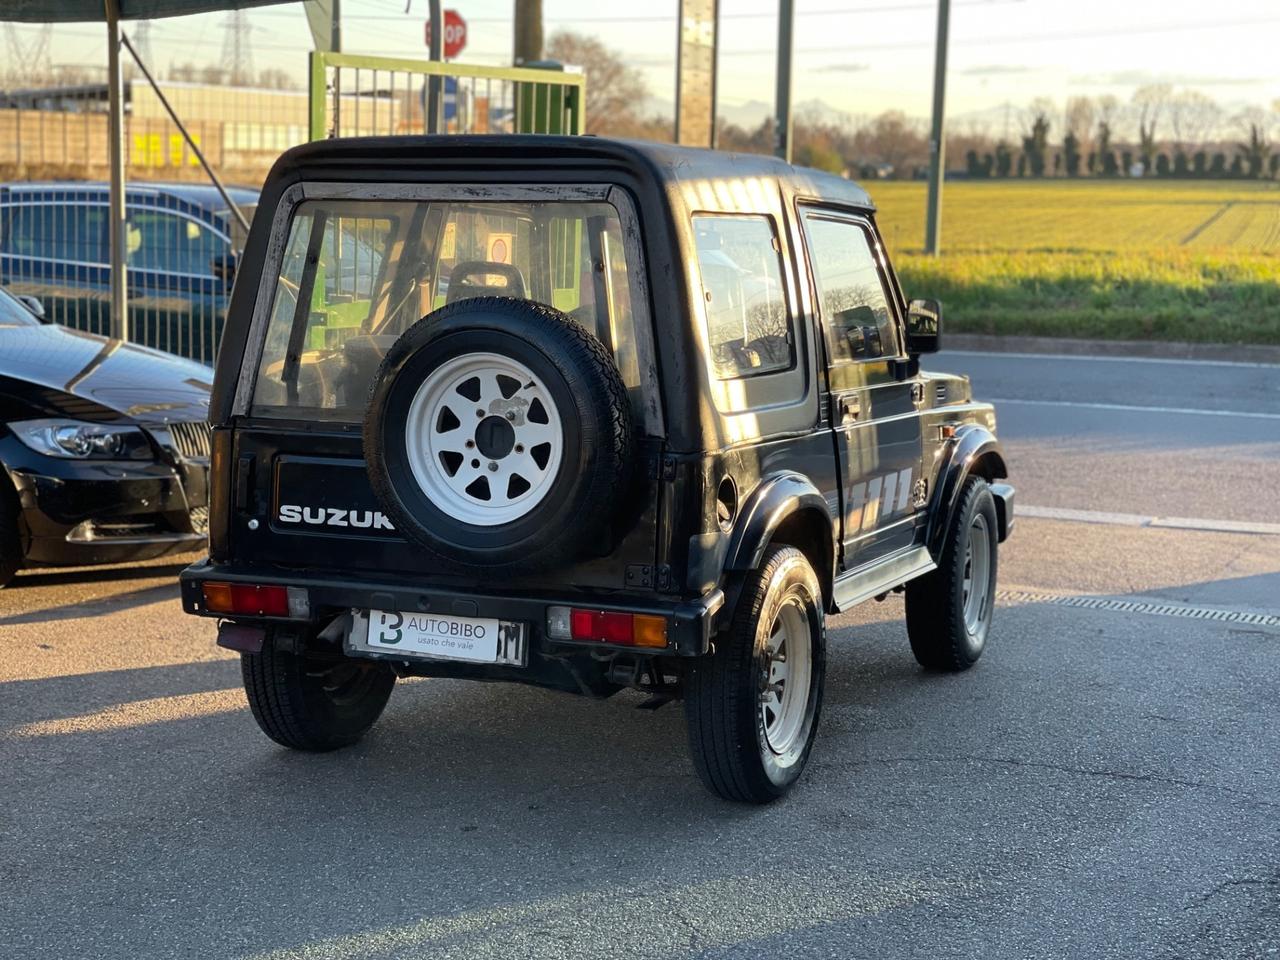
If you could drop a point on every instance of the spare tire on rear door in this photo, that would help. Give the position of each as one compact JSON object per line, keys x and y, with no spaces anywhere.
{"x":498,"y":435}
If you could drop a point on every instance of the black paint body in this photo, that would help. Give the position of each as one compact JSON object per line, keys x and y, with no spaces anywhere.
{"x":785,"y":464}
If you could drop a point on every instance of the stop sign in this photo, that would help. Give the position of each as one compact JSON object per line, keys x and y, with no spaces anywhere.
{"x":455,"y":33}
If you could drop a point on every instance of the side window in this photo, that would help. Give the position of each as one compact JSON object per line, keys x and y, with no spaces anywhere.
{"x":65,"y":230}
{"x":855,"y":306}
{"x":748,"y":326}
{"x":168,"y":243}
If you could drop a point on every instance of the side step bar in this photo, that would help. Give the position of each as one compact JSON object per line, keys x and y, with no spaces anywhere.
{"x":883,"y":575}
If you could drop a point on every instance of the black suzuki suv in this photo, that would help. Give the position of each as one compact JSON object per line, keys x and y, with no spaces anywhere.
{"x":589,"y":415}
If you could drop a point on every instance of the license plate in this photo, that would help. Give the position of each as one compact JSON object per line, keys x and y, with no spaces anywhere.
{"x":438,"y":636}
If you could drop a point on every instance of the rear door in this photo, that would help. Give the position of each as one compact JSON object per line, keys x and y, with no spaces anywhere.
{"x":874,"y":410}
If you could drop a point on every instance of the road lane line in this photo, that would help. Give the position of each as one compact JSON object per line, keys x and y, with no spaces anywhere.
{"x":1139,"y":520}
{"x":1093,"y":357}
{"x":1138,"y":408}
{"x":136,"y":713}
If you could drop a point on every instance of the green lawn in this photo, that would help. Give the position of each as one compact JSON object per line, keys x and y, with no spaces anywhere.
{"x":1169,"y":260}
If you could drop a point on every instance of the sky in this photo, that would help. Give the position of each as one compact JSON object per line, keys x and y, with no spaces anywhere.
{"x":860,"y":57}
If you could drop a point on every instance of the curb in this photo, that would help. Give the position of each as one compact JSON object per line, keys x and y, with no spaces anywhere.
{"x":1115,"y":349}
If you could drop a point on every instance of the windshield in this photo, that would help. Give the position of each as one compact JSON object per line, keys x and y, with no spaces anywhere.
{"x":355,"y":274}
{"x":13,"y":313}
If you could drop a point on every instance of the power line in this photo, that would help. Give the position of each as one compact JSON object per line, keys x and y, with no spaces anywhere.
{"x":1025,"y":38}
{"x":846,"y":48}
{"x":672,"y":18}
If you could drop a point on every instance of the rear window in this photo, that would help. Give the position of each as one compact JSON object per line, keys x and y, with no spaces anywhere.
{"x":355,"y":274}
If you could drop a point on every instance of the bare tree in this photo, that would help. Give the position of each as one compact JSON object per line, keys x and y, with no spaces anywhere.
{"x":1193,"y":118}
{"x":615,"y":91}
{"x":1079,"y":117}
{"x":1108,"y":110}
{"x":893,"y":139}
{"x":273,"y":78}
{"x":1149,"y":104}
{"x":1257,"y":150}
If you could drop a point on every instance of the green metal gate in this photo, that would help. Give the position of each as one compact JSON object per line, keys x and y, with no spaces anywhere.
{"x":353,"y":95}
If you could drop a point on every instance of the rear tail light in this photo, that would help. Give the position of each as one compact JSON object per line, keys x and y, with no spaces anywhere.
{"x":607,"y":626}
{"x":246,"y":599}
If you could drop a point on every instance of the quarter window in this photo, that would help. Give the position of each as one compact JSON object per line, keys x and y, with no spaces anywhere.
{"x":855,"y":307}
{"x":748,"y":325}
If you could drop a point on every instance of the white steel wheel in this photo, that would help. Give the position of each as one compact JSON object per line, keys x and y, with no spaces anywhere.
{"x":784,"y":701}
{"x":976,"y":586}
{"x":484,"y":439}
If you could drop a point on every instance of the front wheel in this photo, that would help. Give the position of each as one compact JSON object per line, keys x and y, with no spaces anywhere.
{"x":752,"y":706}
{"x":313,"y":704}
{"x":949,"y":610}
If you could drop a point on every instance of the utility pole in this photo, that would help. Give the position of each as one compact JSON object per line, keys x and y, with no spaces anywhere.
{"x":782,"y":98}
{"x":435,"y":92}
{"x":937,"y":137}
{"x":528,"y":32}
{"x":117,"y":225}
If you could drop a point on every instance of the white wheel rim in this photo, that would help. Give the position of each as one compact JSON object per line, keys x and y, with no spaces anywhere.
{"x":976,"y":593}
{"x":484,"y":439}
{"x":784,"y":701}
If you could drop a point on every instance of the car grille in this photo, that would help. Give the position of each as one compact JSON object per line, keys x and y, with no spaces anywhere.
{"x":191,"y":439}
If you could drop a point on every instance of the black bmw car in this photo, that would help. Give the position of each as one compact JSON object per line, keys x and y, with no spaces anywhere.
{"x":104,"y":447}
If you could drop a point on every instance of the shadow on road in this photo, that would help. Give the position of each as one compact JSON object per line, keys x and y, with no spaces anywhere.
{"x":95,"y":607}
{"x":487,"y":820}
{"x":54,"y":577}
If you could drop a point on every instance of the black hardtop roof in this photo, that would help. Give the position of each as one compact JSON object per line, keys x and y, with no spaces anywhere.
{"x":669,"y":164}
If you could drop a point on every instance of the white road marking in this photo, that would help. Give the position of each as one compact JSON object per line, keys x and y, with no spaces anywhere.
{"x":1141,"y":603}
{"x":1139,"y":520}
{"x":1089,"y":357}
{"x":1138,"y":408}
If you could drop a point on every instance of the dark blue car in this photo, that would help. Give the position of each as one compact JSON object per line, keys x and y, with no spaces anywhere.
{"x":182,"y":244}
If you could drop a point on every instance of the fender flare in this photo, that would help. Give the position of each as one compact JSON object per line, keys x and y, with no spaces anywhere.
{"x":974,"y":449}
{"x":777,"y":498}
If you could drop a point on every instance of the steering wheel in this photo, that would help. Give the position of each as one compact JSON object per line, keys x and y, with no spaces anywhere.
{"x":460,"y":288}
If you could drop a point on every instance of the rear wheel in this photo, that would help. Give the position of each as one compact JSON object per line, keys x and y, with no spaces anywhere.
{"x":313,"y":704}
{"x":949,"y":610}
{"x":753,"y":705}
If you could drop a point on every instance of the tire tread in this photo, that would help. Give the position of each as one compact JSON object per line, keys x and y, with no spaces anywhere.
{"x":714,"y":706}
{"x":938,"y":640}
{"x":274,"y":686}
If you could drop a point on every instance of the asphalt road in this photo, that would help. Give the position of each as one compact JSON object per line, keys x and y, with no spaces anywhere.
{"x":1103,"y":784}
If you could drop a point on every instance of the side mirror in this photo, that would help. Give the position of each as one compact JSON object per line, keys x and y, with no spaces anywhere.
{"x":924,"y":326}
{"x":224,"y":268}
{"x":34,"y":305}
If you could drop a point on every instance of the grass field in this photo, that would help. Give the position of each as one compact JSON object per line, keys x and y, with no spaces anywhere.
{"x":1195,"y":261}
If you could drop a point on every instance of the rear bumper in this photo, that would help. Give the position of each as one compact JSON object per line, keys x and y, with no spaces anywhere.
{"x":690,"y":623}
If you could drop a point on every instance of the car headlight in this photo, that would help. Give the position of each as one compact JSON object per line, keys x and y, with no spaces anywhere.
{"x":78,"y":440}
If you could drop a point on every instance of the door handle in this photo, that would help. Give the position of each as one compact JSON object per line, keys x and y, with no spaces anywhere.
{"x":850,"y":409}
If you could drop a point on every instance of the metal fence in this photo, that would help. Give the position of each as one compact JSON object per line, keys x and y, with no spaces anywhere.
{"x":182,"y":242}
{"x":353,"y":95}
